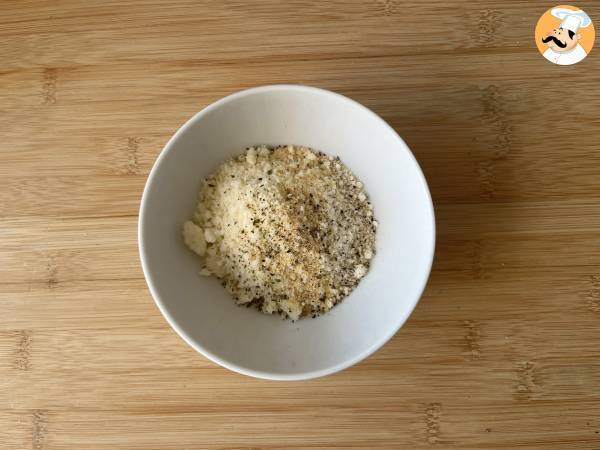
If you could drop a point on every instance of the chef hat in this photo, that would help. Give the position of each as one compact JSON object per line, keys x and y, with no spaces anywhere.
{"x":571,"y":20}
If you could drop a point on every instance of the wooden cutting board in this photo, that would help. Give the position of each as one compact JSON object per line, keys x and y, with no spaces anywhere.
{"x":503,"y":351}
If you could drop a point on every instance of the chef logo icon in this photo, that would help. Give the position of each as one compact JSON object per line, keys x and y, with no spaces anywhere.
{"x":564,"y":35}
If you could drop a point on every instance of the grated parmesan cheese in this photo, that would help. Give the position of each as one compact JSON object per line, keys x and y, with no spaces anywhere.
{"x":285,"y":230}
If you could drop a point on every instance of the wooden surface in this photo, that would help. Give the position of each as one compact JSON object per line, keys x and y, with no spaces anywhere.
{"x":503,"y":351}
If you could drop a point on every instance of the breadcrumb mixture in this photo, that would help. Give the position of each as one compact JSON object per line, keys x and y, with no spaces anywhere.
{"x":287,"y":230}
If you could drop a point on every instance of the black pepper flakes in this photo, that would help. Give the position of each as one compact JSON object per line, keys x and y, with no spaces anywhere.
{"x":329,"y":233}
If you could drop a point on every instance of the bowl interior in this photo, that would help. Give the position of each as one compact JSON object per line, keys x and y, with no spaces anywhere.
{"x":265,"y":346}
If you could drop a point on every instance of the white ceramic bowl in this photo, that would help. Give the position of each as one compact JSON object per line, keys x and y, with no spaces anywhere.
{"x":242,"y":339}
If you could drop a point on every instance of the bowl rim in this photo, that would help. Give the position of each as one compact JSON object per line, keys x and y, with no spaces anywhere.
{"x":198,"y":346}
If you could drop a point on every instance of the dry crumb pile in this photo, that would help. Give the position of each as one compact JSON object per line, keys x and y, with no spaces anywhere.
{"x":286,"y":230}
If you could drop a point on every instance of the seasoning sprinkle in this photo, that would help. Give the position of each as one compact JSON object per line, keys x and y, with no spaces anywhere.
{"x":312,"y":244}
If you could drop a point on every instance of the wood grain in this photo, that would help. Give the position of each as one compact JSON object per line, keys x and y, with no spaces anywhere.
{"x":502,"y":352}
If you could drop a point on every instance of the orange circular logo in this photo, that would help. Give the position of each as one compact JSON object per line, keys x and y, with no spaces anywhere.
{"x":564,"y":35}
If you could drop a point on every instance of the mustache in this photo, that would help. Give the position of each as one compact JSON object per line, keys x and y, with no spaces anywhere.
{"x":556,"y":41}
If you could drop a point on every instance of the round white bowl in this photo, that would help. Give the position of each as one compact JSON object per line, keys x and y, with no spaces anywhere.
{"x":242,"y":339}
